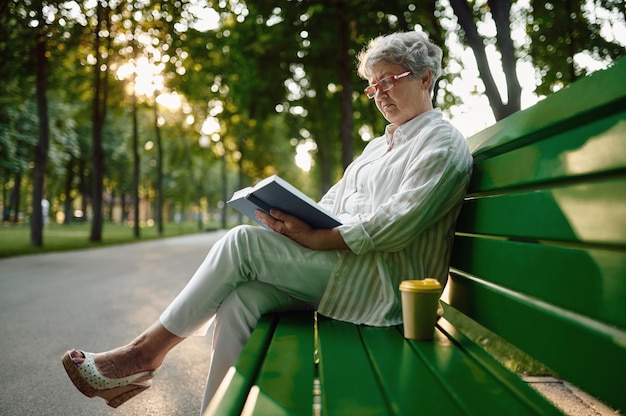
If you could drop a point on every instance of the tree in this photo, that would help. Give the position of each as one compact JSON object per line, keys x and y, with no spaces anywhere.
{"x":136,"y":164}
{"x":275,"y":76}
{"x":101,"y":72}
{"x":159,"y":184}
{"x":18,"y":123}
{"x":500,"y":11}
{"x":41,"y":150}
{"x":560,"y":34}
{"x":331,"y":35}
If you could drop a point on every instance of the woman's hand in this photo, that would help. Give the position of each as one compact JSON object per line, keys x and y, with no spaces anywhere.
{"x":301,"y":232}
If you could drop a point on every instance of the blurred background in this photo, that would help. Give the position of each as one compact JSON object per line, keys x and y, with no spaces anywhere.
{"x":149,"y":114}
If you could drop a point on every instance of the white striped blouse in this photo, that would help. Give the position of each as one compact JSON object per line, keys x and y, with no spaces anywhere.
{"x":398,"y":202}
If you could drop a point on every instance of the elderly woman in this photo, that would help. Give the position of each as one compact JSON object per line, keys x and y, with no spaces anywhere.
{"x":398,"y":203}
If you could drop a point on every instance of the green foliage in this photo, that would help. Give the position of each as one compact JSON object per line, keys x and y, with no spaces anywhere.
{"x":18,"y":136}
{"x":273,"y":74}
{"x":559,"y":32}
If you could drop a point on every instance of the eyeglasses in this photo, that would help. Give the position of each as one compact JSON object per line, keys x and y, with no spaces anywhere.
{"x":385,"y":84}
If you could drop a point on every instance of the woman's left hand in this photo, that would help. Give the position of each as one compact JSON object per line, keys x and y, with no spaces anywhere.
{"x":301,"y":232}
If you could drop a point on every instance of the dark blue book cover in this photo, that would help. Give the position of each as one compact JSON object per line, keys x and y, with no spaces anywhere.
{"x":275,"y":192}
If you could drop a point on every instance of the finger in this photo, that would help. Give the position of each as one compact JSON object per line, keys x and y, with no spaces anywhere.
{"x":263,"y":217}
{"x":270,"y":221}
{"x":279,"y":215}
{"x":260,"y":215}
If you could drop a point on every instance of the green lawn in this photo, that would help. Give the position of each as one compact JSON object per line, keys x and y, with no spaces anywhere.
{"x":15,"y":238}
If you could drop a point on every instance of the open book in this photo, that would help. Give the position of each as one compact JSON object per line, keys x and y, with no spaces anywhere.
{"x":274,"y":192}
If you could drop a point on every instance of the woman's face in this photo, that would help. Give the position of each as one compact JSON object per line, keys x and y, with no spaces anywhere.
{"x":406,"y":100}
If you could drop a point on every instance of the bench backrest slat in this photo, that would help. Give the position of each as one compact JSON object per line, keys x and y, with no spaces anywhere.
{"x":597,"y":148}
{"x":589,"y":213}
{"x":540,"y":252}
{"x":584,"y":281}
{"x":577,"y":104}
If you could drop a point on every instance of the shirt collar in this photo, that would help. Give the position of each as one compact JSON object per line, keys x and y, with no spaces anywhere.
{"x":397,"y":135}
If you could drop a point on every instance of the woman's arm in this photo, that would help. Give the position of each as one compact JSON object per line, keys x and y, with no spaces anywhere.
{"x":301,"y":232}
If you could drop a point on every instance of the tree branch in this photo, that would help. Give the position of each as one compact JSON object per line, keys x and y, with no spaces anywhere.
{"x":466,"y":20}
{"x":501,"y":10}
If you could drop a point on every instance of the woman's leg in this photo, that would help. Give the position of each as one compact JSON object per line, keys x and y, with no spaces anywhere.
{"x":246,"y":254}
{"x":234,"y":321}
{"x":144,"y":353}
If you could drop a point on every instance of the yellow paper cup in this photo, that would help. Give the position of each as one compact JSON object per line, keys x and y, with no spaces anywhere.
{"x":420,"y":299}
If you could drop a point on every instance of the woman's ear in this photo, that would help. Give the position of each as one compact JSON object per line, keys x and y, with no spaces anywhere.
{"x":427,"y":79}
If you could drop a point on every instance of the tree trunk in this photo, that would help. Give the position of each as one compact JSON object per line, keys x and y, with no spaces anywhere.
{"x":67,"y":204}
{"x":240,"y":178}
{"x":224,"y":176}
{"x":85,"y":190}
{"x":500,"y":11}
{"x":324,"y":140}
{"x":325,"y":157}
{"x":124,"y":216}
{"x":159,"y":184}
{"x":99,"y":115}
{"x":14,"y":199}
{"x":111,"y":206}
{"x":136,"y":165}
{"x":345,"y":75}
{"x":6,"y":207}
{"x":136,"y":157}
{"x":41,"y":150}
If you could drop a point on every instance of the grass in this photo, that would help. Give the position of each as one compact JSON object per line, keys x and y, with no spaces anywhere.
{"x":507,"y":354}
{"x":15,"y":238}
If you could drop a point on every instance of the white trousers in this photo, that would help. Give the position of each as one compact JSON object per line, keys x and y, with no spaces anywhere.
{"x":250,"y":271}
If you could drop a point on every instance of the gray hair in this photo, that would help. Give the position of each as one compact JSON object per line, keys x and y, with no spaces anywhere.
{"x":412,"y":50}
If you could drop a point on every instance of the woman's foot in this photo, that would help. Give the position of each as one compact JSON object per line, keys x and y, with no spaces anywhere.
{"x":124,"y":372}
{"x":83,"y":372}
{"x":118,"y":363}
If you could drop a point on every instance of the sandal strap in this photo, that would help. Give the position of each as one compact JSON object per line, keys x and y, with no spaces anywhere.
{"x":90,"y":373}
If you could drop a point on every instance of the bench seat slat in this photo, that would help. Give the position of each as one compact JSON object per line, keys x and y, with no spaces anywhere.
{"x":591,"y":213}
{"x":406,"y":379}
{"x":232,"y":393}
{"x":590,"y":149}
{"x":439,"y":378}
{"x":589,"y":282}
{"x":342,"y":363}
{"x":285,"y":381}
{"x":523,"y":320}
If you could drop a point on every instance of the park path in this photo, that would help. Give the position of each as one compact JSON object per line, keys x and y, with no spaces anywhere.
{"x":95,"y":300}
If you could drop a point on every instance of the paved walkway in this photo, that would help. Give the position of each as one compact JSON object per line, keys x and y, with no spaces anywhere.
{"x":100,"y":298}
{"x":95,"y":300}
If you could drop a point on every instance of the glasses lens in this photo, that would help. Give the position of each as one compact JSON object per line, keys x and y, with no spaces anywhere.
{"x":370,"y":91}
{"x":386,"y":84}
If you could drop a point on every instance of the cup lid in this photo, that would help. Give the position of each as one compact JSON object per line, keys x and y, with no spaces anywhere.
{"x":425,"y":285}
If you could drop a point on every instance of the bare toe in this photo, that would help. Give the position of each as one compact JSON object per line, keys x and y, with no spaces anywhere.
{"x":77,"y":357}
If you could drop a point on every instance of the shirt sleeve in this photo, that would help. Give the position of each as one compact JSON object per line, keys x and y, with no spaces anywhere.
{"x":433,"y":184}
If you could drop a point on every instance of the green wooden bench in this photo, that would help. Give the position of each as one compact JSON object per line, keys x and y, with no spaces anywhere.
{"x":539,"y":259}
